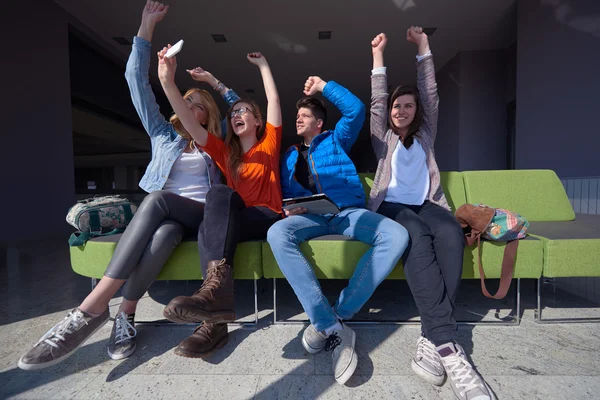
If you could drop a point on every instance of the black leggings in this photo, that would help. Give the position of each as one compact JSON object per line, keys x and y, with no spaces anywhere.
{"x":227,"y":221}
{"x":432,"y":264}
{"x":157,"y":227}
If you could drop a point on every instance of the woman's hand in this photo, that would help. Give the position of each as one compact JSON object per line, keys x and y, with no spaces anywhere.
{"x":154,"y":12}
{"x":378,"y":44}
{"x":415,"y":35}
{"x":257,"y":59}
{"x":295,"y":211}
{"x":166,"y":66}
{"x":201,"y":75}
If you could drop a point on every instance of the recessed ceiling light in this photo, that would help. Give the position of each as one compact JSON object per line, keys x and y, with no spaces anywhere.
{"x":324,"y":35}
{"x":429,"y":31}
{"x":219,"y":38}
{"x":122,"y":41}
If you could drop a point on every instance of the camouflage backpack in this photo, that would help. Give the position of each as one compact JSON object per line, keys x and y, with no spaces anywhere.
{"x":99,"y":216}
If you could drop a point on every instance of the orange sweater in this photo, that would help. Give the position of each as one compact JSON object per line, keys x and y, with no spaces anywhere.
{"x":258,"y":182}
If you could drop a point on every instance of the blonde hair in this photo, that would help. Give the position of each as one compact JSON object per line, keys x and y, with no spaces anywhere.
{"x":232,"y":141}
{"x":213,"y":122}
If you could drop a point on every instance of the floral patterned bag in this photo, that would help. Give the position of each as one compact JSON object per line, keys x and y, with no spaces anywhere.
{"x":99,"y":216}
{"x":480,"y":221}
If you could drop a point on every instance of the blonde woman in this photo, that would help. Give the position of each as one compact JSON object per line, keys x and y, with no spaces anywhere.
{"x":177,"y":178}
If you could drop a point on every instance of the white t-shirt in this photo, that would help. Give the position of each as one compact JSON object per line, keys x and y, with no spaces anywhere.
{"x":189,"y":176}
{"x":410,"y":175}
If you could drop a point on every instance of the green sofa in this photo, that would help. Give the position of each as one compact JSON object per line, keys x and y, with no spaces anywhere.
{"x":556,"y":240}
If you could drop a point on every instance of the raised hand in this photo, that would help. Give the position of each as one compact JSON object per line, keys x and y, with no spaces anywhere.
{"x":313,"y":85}
{"x":415,"y":34}
{"x":257,"y":59}
{"x":378,"y":43}
{"x":154,"y":12}
{"x":166,"y":66}
{"x":200,"y":75}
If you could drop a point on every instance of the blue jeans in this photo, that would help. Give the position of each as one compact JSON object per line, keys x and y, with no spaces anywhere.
{"x":387,"y":238}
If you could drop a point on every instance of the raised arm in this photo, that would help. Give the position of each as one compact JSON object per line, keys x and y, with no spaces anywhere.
{"x":379,"y":94}
{"x":353,"y":110}
{"x":229,"y":95}
{"x":273,"y":104}
{"x":201,"y":75}
{"x":166,"y":74}
{"x":426,"y":82}
{"x":136,"y":72}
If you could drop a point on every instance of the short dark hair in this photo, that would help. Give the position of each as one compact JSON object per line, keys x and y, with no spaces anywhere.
{"x":316,"y":106}
{"x":416,"y":124}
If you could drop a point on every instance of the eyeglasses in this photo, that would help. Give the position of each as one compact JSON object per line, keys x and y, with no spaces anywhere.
{"x":240,"y":111}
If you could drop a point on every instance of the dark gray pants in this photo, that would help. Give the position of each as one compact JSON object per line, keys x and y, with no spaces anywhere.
{"x":160,"y":223}
{"x":432,"y":264}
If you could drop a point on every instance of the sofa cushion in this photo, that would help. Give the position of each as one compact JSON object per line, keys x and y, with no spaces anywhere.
{"x":336,"y":256}
{"x":571,"y":248}
{"x":538,"y":195}
{"x":92,"y":259}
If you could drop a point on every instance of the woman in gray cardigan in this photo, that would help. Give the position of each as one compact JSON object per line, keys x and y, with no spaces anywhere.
{"x":407,"y":189}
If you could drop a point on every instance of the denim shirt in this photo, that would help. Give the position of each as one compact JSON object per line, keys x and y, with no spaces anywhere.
{"x":167,"y":144}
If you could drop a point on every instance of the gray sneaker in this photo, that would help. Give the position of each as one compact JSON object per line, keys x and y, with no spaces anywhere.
{"x":466,"y":382}
{"x":63,"y":339}
{"x":427,"y":363}
{"x":341,"y":344}
{"x":122,"y":338}
{"x":313,"y":341}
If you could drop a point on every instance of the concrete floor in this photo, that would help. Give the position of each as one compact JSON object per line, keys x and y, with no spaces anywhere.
{"x":531,"y":361}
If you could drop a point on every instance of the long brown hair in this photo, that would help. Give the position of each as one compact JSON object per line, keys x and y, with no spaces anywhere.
{"x":213,"y":122}
{"x":232,"y":141}
{"x":414,"y":126}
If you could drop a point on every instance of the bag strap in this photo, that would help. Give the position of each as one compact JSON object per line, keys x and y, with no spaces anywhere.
{"x":128,"y":213}
{"x":80,"y":238}
{"x":95,"y":225}
{"x":506,"y":274}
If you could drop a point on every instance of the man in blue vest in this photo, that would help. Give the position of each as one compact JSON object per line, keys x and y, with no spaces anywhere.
{"x":321,"y":164}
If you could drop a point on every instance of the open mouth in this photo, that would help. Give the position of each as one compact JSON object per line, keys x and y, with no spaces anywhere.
{"x":239,"y":123}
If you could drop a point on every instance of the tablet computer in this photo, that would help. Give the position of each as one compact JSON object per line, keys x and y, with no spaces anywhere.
{"x":315,"y":204}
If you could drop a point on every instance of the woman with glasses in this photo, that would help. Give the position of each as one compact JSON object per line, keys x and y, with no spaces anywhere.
{"x":242,"y":210}
{"x":178,"y":178}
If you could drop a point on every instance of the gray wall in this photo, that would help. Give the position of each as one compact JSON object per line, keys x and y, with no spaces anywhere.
{"x":558,"y":86}
{"x":446,"y":143}
{"x":36,"y":155}
{"x":474,"y":89}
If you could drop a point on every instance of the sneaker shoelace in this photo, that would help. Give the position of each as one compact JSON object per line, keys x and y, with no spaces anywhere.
{"x":332,"y":342}
{"x":123,"y":329}
{"x":68,"y":325}
{"x":462,"y":372}
{"x":426,"y":351}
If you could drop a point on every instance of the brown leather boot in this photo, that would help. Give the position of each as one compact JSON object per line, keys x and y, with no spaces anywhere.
{"x":206,"y":337}
{"x":213,"y":302}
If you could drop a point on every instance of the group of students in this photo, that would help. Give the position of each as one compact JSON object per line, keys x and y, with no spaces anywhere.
{"x":407,"y":216}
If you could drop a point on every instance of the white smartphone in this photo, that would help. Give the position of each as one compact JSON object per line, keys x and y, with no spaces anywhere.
{"x":174,"y":49}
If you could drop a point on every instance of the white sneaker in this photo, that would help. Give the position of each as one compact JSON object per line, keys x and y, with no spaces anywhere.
{"x":427,"y":363}
{"x":344,"y":359}
{"x":313,"y":341}
{"x":467,"y":384}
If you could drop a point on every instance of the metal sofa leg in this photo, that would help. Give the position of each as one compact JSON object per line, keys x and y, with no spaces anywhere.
{"x":540,"y":320}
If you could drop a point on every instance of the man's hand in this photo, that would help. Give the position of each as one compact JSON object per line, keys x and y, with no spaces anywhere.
{"x":166,"y":66}
{"x":257,"y":59}
{"x":154,"y":12}
{"x":313,"y":85}
{"x":295,"y":211}
{"x":200,"y":75}
{"x":378,"y":44}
